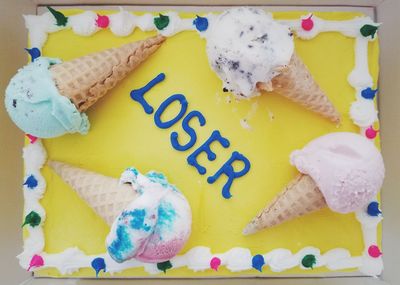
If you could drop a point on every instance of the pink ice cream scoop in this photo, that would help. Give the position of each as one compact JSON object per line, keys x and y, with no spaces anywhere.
{"x":347,"y":168}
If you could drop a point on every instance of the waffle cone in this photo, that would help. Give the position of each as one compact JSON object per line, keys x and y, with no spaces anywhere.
{"x":299,"y":198}
{"x":102,"y":193}
{"x":297,"y":84}
{"x":86,"y":79}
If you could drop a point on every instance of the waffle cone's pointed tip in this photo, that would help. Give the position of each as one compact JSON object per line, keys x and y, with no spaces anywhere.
{"x":296,"y":83}
{"x":158,"y":39}
{"x":249,"y":229}
{"x":55,"y":165}
{"x":52,"y":163}
{"x":299,"y":198}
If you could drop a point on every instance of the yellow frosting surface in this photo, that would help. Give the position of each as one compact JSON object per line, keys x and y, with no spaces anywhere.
{"x":122,"y":135}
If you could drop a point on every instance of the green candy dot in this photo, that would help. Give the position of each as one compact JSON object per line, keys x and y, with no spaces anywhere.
{"x":161,"y":22}
{"x":164,"y":266}
{"x":60,"y":18}
{"x":309,"y":261}
{"x":368,"y":30}
{"x":33,"y":219}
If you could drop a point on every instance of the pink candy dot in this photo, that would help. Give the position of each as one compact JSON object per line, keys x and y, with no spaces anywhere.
{"x":36,"y":261}
{"x":102,"y":21}
{"x":31,"y":138}
{"x":371,"y":133}
{"x":307,"y":24}
{"x":374,"y":251}
{"x":215,"y":263}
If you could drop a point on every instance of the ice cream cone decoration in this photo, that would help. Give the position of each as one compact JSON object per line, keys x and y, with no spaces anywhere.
{"x":296,"y":83}
{"x":105,"y":195}
{"x":342,"y":171}
{"x":299,"y":198}
{"x":86,"y":79}
{"x":47,"y":98}
{"x":149,"y":219}
{"x":262,"y":58}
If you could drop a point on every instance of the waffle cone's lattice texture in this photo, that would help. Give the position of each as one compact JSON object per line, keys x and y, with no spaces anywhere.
{"x":297,"y":84}
{"x":300,"y":197}
{"x":86,"y":79}
{"x":102,"y":193}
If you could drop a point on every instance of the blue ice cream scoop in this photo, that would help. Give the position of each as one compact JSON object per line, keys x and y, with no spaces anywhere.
{"x":36,"y":106}
{"x":48,"y":98}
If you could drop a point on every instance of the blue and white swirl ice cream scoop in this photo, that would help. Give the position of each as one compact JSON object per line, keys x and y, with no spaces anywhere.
{"x":150,"y":219}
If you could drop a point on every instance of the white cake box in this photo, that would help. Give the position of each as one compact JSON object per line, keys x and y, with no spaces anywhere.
{"x":13,"y":56}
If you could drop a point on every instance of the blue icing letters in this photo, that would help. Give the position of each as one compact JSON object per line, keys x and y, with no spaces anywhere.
{"x":228,"y":170}
{"x":164,"y":105}
{"x":138,"y":94}
{"x":189,"y":130}
{"x":205,"y":147}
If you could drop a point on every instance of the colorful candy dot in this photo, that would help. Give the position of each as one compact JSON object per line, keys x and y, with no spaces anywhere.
{"x":34,"y":53}
{"x":98,"y":264}
{"x":374,"y":251}
{"x":369,"y":93}
{"x":36,"y":261}
{"x":102,"y":21}
{"x":258,"y":262}
{"x":309,"y":261}
{"x":371,"y":133}
{"x":164,"y":266}
{"x":373,"y":209}
{"x":368,"y":30}
{"x":201,"y":23}
{"x":32,"y":139}
{"x":215,"y":263}
{"x":307,"y":24}
{"x":161,"y":21}
{"x":31,"y":182}
{"x":60,"y":18}
{"x":33,"y":219}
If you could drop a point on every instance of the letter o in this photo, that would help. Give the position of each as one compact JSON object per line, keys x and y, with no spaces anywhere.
{"x":164,"y":105}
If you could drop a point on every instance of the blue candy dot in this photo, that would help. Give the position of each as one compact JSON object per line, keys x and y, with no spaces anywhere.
{"x":201,"y":23}
{"x":369,"y":93}
{"x":98,"y":264}
{"x":34,"y":53}
{"x":31,"y":182}
{"x":373,"y":209}
{"x":258,"y":262}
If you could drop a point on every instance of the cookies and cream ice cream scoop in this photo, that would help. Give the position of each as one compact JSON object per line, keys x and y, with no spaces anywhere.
{"x":251,"y":52}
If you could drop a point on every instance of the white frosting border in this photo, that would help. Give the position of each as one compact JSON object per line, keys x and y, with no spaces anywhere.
{"x":198,"y":258}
